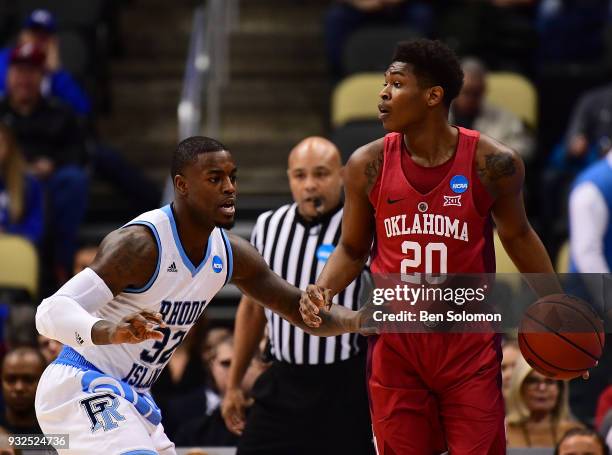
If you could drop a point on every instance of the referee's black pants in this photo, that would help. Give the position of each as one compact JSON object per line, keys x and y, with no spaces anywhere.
{"x":309,"y":409}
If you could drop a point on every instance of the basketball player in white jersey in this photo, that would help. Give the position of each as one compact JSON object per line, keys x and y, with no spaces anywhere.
{"x":121,"y":319}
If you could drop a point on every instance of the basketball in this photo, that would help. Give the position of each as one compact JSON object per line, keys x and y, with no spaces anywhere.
{"x":561,"y":336}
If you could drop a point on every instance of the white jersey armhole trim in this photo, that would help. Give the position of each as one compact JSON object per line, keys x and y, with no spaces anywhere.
{"x":149,"y":283}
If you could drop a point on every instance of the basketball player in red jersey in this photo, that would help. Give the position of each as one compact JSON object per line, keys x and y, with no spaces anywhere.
{"x":430,"y":392}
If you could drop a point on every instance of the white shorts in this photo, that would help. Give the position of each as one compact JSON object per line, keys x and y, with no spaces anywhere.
{"x":97,"y":421}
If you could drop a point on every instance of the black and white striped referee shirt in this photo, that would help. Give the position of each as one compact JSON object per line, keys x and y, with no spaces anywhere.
{"x":297,"y":251}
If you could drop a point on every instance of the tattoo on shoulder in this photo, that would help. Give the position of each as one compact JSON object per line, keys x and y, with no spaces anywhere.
{"x":497,"y":166}
{"x":373,"y":167}
{"x":129,"y":253}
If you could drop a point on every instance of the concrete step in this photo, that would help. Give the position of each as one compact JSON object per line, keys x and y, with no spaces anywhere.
{"x":277,"y":55}
{"x":265,"y":95}
{"x":150,"y":96}
{"x":140,"y":68}
{"x":271,"y":16}
{"x":163,"y":28}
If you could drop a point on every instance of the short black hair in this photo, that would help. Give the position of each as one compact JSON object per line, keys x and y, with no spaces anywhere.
{"x":433,"y":63}
{"x":583,"y":432}
{"x":188,"y":150}
{"x":21,"y":351}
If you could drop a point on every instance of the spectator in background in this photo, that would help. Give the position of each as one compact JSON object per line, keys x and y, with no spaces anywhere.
{"x":510,"y":355}
{"x":49,"y":348}
{"x":572,"y":31}
{"x":21,"y":370}
{"x":589,"y":135}
{"x":537,"y":411}
{"x":21,"y":201}
{"x":213,"y":337}
{"x":40,"y":29}
{"x":209,"y":429}
{"x":581,"y":442}
{"x":84,"y":257}
{"x":54,"y":147}
{"x":470,"y":110}
{"x":346,"y":16}
{"x":185,"y":376}
{"x":590,"y":208}
{"x":471,"y":26}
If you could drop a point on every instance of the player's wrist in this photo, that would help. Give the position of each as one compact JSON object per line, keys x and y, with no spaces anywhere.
{"x":102,"y":332}
{"x":326,"y":288}
{"x":233,"y":385}
{"x":353,"y":324}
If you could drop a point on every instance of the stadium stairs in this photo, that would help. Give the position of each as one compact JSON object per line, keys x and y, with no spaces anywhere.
{"x":277,"y":94}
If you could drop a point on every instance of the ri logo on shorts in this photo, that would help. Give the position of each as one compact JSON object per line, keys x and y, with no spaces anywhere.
{"x":102,"y":411}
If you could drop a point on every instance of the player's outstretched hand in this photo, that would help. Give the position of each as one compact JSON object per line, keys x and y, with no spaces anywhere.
{"x":232,"y":409}
{"x":313,"y":299}
{"x":138,"y":327}
{"x":133,"y":328}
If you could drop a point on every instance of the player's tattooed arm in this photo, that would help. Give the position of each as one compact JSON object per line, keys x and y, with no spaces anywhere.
{"x":499,"y":167}
{"x":370,"y":158}
{"x":127,"y":257}
{"x":502,"y":171}
{"x":253,"y":276}
{"x":353,"y":249}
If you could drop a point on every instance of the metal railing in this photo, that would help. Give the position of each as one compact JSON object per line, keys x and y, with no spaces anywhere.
{"x":206,"y":72}
{"x":207,"y":66}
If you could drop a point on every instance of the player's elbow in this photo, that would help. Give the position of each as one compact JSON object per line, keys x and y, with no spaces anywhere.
{"x":355,"y":253}
{"x":518,"y":233}
{"x":44,"y":317}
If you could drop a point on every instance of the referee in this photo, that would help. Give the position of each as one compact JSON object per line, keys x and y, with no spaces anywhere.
{"x":312,"y":400}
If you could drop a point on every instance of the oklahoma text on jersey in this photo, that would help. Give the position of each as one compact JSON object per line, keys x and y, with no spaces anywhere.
{"x":426,"y":223}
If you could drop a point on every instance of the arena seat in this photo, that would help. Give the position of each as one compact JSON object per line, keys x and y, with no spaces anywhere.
{"x":371,"y":48}
{"x":515,"y":93}
{"x":18,"y":264}
{"x":356,"y":98}
{"x":563,"y":258}
{"x":353,"y":135}
{"x":505,"y":266}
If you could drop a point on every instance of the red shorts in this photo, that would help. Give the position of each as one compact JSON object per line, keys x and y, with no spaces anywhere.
{"x":435,"y":392}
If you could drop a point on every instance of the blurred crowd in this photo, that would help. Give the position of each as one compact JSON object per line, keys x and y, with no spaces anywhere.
{"x":50,"y":151}
{"x":562,"y":49}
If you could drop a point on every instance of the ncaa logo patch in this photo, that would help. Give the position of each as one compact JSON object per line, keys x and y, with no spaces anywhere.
{"x":325,"y":251}
{"x":217,"y":264}
{"x":459,"y":184}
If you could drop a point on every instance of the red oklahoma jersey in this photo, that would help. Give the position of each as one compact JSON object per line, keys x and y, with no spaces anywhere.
{"x":430,"y":392}
{"x":441,"y":231}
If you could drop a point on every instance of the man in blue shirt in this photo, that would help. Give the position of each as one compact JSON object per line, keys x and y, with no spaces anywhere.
{"x":40,"y":28}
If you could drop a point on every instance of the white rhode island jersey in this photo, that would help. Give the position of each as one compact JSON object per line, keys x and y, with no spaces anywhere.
{"x":178,"y":289}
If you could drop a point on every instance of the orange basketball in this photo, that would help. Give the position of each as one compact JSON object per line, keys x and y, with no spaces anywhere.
{"x":561,"y":336}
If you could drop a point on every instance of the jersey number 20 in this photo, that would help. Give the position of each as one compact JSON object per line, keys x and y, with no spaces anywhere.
{"x":414,"y":249}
